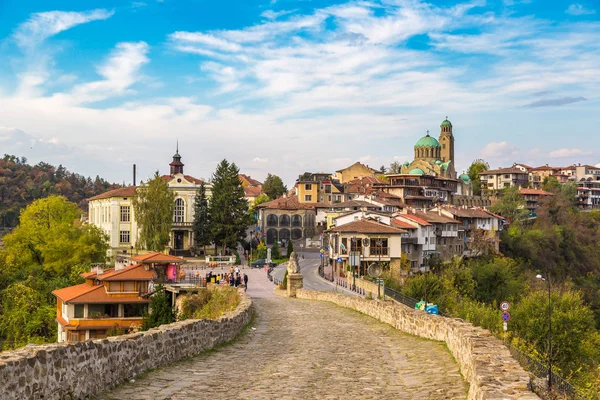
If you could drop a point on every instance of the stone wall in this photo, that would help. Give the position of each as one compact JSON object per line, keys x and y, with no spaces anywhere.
{"x":81,"y":370}
{"x":485,"y":363}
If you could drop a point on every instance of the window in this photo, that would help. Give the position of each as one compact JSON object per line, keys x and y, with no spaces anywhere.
{"x":329,"y":198}
{"x":78,"y":310}
{"x":327,"y":188}
{"x":125,"y":213}
{"x":432,"y":240}
{"x":444,"y":146}
{"x":179,"y":212}
{"x":124,"y":237}
{"x":134,"y":310}
{"x":307,"y":197}
{"x":506,"y":176}
{"x":307,"y":186}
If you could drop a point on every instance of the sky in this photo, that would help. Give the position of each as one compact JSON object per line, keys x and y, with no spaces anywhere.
{"x":288,"y":86}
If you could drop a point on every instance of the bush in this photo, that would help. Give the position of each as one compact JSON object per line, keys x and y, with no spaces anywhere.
{"x":290,"y":248}
{"x":193,"y":302}
{"x":210,"y":303}
{"x":284,"y":283}
{"x":261,"y":251}
{"x":275,"y":252}
{"x":161,"y":311}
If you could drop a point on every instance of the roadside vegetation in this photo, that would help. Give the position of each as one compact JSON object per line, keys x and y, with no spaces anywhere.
{"x":210,"y":303}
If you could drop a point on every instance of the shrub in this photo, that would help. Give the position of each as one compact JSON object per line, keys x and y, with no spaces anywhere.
{"x":161,"y":311}
{"x":290,"y":248}
{"x":284,"y":283}
{"x":210,"y":303}
{"x":275,"y":252}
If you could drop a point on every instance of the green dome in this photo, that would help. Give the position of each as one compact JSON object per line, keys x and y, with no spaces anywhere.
{"x":427,"y":141}
{"x":446,"y":165}
{"x":417,"y":171}
{"x":438,"y":162}
{"x":406,"y":163}
{"x":465,"y":178}
{"x":446,"y":122}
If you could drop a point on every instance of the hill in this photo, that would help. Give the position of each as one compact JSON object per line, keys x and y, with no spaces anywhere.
{"x":21,"y":184}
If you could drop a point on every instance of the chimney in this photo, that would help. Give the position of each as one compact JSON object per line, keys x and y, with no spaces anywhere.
{"x":133,"y":174}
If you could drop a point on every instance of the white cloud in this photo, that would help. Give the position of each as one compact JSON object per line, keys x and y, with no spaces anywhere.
{"x":260,"y":160}
{"x":204,"y":39}
{"x":502,"y":150}
{"x":41,"y":26}
{"x":562,"y":153}
{"x":578,"y":9}
{"x":270,"y":14}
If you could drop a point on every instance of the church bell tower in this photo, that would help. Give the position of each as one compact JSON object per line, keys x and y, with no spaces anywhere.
{"x":447,"y":141}
{"x":176,"y":165}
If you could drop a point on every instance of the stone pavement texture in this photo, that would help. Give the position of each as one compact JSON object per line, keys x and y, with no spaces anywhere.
{"x":300,"y":349}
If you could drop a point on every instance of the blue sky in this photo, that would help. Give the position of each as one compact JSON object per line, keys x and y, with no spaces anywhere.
{"x":286,"y":86}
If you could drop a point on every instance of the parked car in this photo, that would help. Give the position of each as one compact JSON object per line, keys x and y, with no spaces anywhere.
{"x":261,"y":263}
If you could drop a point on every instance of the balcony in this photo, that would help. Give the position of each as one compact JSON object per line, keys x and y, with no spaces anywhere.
{"x":179,"y":225}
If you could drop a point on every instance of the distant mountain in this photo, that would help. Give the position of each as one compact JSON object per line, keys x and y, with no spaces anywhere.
{"x":21,"y":184}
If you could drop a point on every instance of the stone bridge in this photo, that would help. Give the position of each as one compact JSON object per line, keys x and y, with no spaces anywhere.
{"x":302,"y":348}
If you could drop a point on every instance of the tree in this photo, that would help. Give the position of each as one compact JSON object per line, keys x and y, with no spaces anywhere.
{"x":290,"y":248}
{"x":394,"y":168}
{"x":261,"y":251}
{"x":382,"y":169}
{"x":153,"y":205}
{"x":498,"y":279}
{"x":261,"y":198}
{"x":511,"y":205}
{"x":228,"y":207}
{"x":551,"y":184}
{"x":202,"y":220}
{"x":475,"y":169}
{"x":161,"y":311}
{"x":275,"y":252}
{"x":273,"y":187}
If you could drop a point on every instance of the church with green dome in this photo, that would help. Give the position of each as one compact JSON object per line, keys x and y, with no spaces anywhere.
{"x":433,"y":156}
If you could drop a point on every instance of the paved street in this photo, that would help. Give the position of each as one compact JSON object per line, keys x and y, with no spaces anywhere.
{"x":298,"y":349}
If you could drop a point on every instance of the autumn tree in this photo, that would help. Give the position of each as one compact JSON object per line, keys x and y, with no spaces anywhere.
{"x":273,"y":187}
{"x":153,"y":205}
{"x":510,"y":205}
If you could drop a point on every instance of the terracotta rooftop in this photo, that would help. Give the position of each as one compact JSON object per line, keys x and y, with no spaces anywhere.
{"x":131,"y":273}
{"x":503,"y":171}
{"x":366,"y":226}
{"x":434,"y":217}
{"x":538,"y":192}
{"x":169,"y":178}
{"x":290,"y":203}
{"x":248,"y":180}
{"x":544,"y":168}
{"x":467,"y":212}
{"x":252,"y":191}
{"x":92,"y":294}
{"x":402,"y":224}
{"x":354,"y":203}
{"x":413,"y":217}
{"x":128,"y":191}
{"x":157,"y":257}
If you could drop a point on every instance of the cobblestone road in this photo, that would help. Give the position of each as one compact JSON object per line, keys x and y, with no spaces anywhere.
{"x":300,"y":349}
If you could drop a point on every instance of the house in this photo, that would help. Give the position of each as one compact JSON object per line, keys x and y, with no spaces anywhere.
{"x":354,"y":246}
{"x":319,"y":188}
{"x":355,"y":171}
{"x":495,"y":180}
{"x":286,"y":218}
{"x":588,"y":194}
{"x":447,"y":243}
{"x":109,"y":300}
{"x":351,"y":206}
{"x":252,"y":187}
{"x":113,"y":212}
{"x":532,"y":198}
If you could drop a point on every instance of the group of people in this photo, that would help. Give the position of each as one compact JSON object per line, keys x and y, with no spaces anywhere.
{"x":232,"y":278}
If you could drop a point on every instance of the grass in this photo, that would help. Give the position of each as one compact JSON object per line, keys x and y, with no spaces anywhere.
{"x":210,"y":303}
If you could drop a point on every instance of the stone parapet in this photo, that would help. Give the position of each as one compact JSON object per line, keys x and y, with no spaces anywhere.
{"x":82,"y":370}
{"x":294,"y":282}
{"x":485,"y":363}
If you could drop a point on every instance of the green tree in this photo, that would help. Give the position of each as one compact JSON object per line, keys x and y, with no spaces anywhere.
{"x":273,"y":187}
{"x":275,"y":251}
{"x":202,"y":220}
{"x":228,"y":207}
{"x":261,"y":198}
{"x":161,"y":311}
{"x":510,"y":205}
{"x":49,"y":236}
{"x":551,"y":184}
{"x":290,"y":248}
{"x":572,"y":325}
{"x":394,"y":168}
{"x":475,"y":169}
{"x":498,"y":279}
{"x":261,"y":251}
{"x":153,"y":205}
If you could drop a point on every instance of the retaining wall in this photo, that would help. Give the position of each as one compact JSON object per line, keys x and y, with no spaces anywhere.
{"x":485,"y":363}
{"x":81,"y":370}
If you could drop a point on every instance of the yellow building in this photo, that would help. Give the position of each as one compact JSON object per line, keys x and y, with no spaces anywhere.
{"x":319,"y":188}
{"x":355,"y":171}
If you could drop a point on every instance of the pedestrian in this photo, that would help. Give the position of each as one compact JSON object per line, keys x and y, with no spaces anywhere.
{"x":245,"y":283}
{"x":238,"y":280}
{"x":237,"y":270}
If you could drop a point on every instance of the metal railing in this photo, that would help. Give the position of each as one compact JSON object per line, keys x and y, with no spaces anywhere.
{"x":399,"y":297}
{"x":341,"y":282}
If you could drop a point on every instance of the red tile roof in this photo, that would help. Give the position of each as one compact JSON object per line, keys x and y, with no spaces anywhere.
{"x":157,"y":257}
{"x":538,"y":192}
{"x":128,"y":191}
{"x":92,"y":294}
{"x":291,"y":203}
{"x":503,"y":171}
{"x":169,"y":178}
{"x":252,"y":191}
{"x":246,"y":179}
{"x":467,"y":212}
{"x":436,"y":218}
{"x":418,"y":220}
{"x":366,"y":226}
{"x":402,"y":224}
{"x":136,"y":272}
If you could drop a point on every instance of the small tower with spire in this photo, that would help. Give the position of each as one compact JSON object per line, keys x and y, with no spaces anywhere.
{"x":176,"y":165}
{"x":447,"y":141}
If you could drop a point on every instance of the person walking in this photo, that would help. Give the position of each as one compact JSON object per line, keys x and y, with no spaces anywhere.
{"x":245,"y":283}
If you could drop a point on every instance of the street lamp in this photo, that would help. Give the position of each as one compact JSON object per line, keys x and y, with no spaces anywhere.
{"x":547,"y":279}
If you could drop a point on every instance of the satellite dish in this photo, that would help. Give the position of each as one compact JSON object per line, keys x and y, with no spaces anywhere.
{"x":366,"y":242}
{"x":374,"y":270}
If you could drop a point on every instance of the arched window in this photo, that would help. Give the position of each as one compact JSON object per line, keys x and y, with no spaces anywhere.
{"x":271,"y":236}
{"x":426,"y":152}
{"x":296,"y":220}
{"x":272,"y":220}
{"x":179,"y":212}
{"x":284,"y":220}
{"x":296,"y":234}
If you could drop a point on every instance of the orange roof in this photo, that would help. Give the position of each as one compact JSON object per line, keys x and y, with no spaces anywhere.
{"x":366,"y":226}
{"x":290,"y":203}
{"x":131,"y":273}
{"x":92,"y":294}
{"x":436,"y":218}
{"x":252,"y":191}
{"x":402,"y":224}
{"x":420,"y":221}
{"x":168,"y":178}
{"x":538,"y":192}
{"x":128,"y":191}
{"x":63,"y":322}
{"x":157,"y":257}
{"x":248,"y":180}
